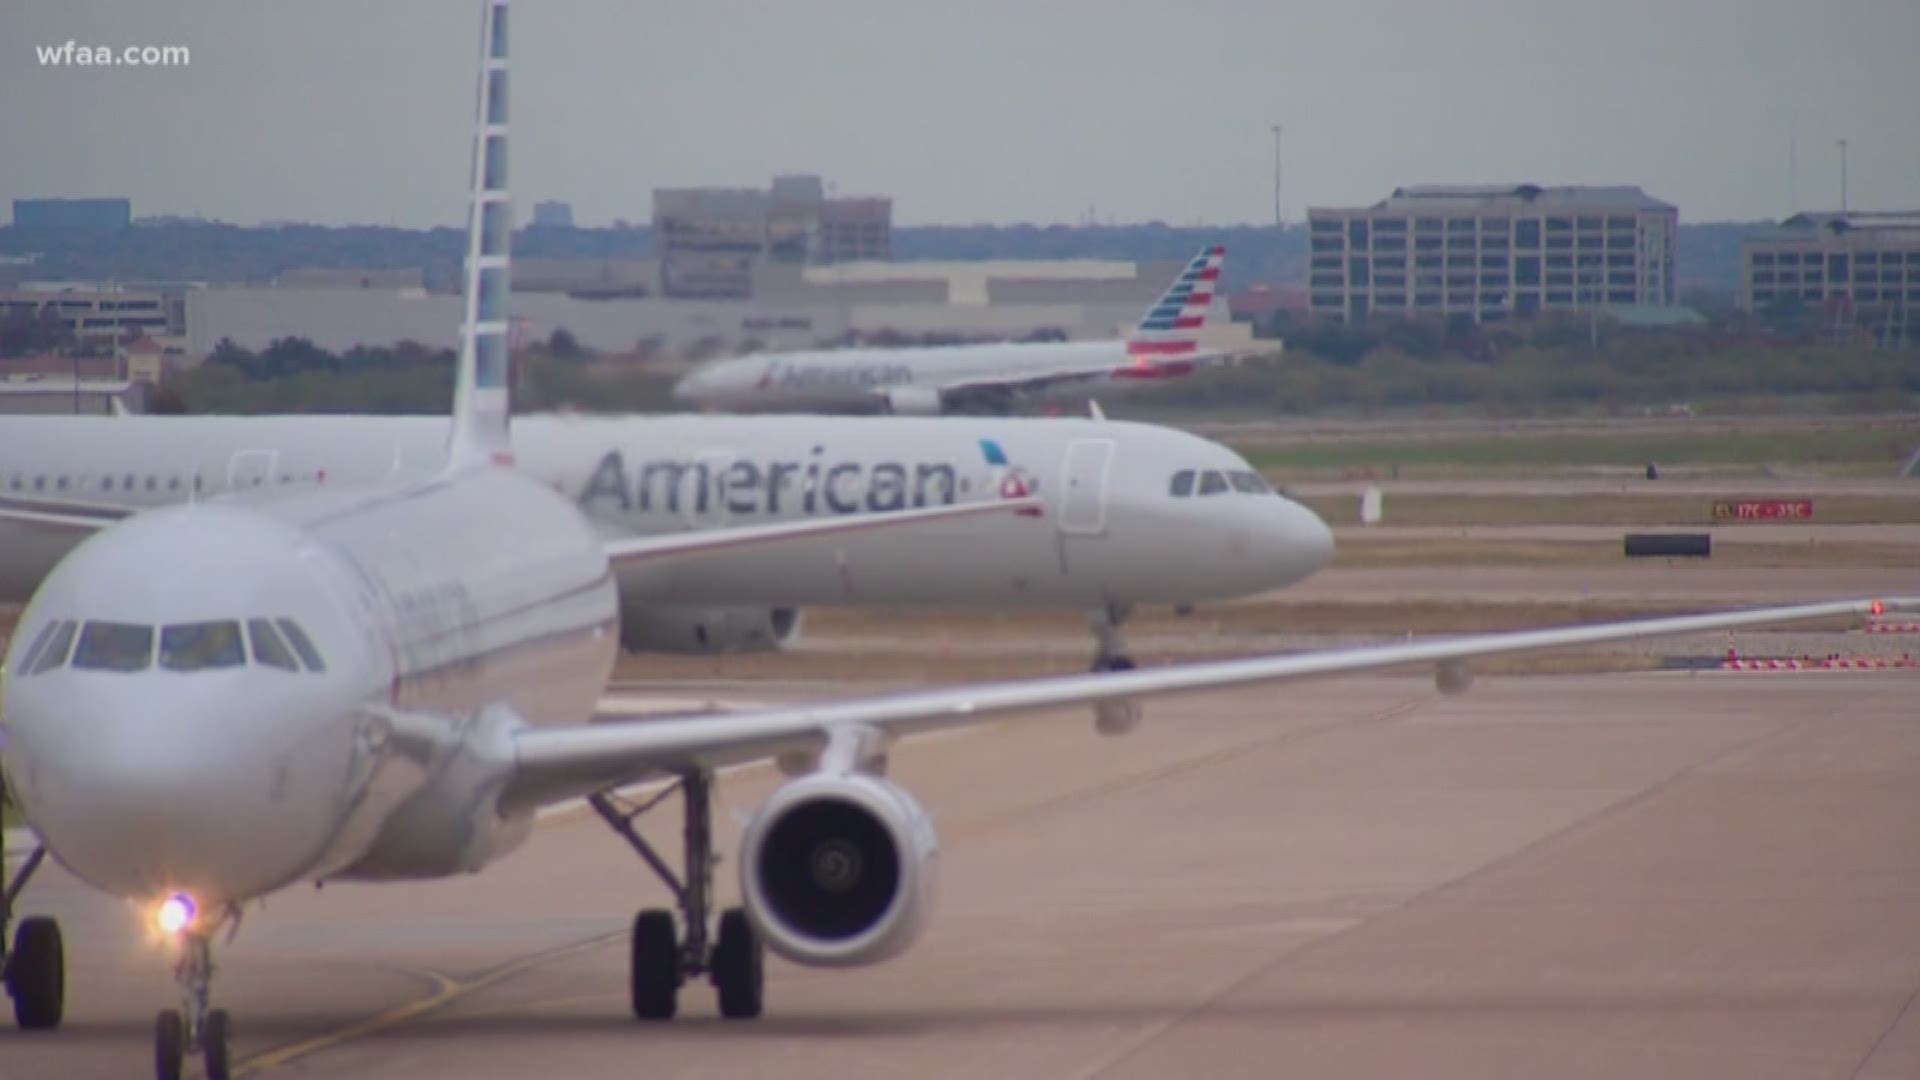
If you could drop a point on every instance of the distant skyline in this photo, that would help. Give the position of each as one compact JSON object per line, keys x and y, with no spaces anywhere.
{"x":358,"y":112}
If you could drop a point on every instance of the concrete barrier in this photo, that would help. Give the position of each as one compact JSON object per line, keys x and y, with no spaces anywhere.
{"x":1669,"y":545}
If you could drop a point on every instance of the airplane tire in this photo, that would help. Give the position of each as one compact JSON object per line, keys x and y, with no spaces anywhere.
{"x":36,"y":974}
{"x":213,"y":1045}
{"x":1115,"y":663}
{"x":655,"y":969}
{"x":739,"y":967}
{"x":169,"y":1045}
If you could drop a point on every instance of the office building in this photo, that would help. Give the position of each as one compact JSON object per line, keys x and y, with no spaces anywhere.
{"x":710,"y":240}
{"x":1492,"y":252}
{"x":72,"y":213}
{"x":1864,"y":265}
{"x":101,"y":313}
{"x":553,"y":214}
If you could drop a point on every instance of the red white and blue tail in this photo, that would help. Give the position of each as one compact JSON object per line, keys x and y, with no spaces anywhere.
{"x":1171,"y":329}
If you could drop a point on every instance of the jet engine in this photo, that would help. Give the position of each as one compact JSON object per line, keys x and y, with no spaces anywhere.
{"x":915,"y":401}
{"x":649,"y":628}
{"x":838,"y":870}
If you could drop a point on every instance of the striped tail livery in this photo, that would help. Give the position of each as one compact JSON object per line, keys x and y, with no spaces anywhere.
{"x":1167,"y":339}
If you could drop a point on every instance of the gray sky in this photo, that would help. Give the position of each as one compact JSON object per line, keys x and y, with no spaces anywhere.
{"x":986,"y":111}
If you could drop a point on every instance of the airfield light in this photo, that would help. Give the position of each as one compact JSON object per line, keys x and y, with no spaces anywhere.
{"x":175,"y":914}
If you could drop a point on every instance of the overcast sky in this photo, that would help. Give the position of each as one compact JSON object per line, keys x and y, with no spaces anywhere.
{"x":984,"y":111}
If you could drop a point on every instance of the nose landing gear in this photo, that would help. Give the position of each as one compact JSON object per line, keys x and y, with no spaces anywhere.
{"x":195,"y":1028}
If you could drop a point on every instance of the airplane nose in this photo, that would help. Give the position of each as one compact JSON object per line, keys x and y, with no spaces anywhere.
{"x":143,"y":801}
{"x":1306,"y":541}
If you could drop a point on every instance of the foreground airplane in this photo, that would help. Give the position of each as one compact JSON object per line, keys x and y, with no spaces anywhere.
{"x":966,"y":378}
{"x":207,"y":704}
{"x":1135,"y":514}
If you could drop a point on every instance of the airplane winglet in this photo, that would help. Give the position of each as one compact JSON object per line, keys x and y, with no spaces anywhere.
{"x":481,"y":402}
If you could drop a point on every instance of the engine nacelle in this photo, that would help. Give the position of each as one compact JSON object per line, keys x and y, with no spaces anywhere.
{"x":838,"y":869}
{"x":649,"y":628}
{"x":915,"y":401}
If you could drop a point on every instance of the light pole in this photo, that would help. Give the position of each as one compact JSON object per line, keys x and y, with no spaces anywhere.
{"x":1279,"y":220}
{"x":1843,"y":175}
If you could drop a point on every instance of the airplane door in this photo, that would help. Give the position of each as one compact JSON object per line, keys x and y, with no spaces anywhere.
{"x":1083,"y":504}
{"x":249,"y":469}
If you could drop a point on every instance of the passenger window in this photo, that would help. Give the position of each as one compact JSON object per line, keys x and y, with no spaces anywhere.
{"x":268,"y":647}
{"x":111,"y":646}
{"x":301,"y":643}
{"x":33,"y":650}
{"x":1212,"y":483}
{"x":55,"y":654}
{"x":197,"y":646}
{"x":1182,"y":484}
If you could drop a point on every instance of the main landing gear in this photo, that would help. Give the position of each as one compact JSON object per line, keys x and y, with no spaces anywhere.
{"x":1110,"y":650}
{"x":35,"y":967}
{"x":733,"y":960}
{"x":194,"y":1028}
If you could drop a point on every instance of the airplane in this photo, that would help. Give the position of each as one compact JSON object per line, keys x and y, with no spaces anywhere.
{"x":1135,"y":514}
{"x":387,"y":681}
{"x":966,"y":378}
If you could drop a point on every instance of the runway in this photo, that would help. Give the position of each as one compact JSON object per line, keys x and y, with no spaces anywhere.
{"x":1632,"y":875}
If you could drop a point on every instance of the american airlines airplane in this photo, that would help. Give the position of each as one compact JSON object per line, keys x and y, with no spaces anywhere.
{"x":387,"y":681}
{"x":1135,"y":514}
{"x":966,"y":378}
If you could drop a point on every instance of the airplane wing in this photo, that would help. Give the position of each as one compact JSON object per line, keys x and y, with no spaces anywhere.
{"x":559,"y":763}
{"x":696,"y":543}
{"x":69,"y":514}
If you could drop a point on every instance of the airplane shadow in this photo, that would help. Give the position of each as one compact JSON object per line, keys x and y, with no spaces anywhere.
{"x":1304,"y":1009}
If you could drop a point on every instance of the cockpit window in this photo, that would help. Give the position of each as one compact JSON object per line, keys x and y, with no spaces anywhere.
{"x":197,"y":646}
{"x":54,"y":652}
{"x":1182,"y":484}
{"x":1249,"y":483}
{"x":33,"y":650}
{"x":302,"y":644}
{"x":269,"y":647}
{"x":1212,"y":483}
{"x":113,"y":646}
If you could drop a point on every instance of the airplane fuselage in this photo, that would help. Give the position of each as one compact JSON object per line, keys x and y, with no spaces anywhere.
{"x":1106,"y":538}
{"x":870,"y":380}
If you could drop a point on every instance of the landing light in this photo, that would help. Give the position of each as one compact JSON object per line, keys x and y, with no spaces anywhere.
{"x":175,"y":913}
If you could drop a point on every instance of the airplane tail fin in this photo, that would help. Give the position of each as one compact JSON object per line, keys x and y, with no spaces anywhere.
{"x":480,"y":397}
{"x":1171,"y":328}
